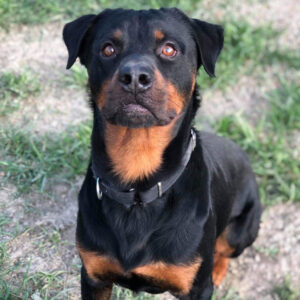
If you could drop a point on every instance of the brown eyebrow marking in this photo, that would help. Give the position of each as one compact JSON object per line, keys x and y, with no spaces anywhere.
{"x":117,"y":34}
{"x":158,"y":34}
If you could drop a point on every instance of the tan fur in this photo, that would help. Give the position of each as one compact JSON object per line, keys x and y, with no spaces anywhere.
{"x":102,"y":96}
{"x":136,"y":153}
{"x":180,"y":277}
{"x":221,"y":259}
{"x":97,"y":265}
{"x":176,"y":100}
{"x":220,"y":269}
{"x":117,"y":34}
{"x":159,"y":35}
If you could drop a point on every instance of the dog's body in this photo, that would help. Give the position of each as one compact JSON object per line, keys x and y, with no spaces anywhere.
{"x":142,"y":67}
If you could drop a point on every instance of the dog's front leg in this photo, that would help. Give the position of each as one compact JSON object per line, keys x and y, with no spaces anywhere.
{"x":94,"y":291}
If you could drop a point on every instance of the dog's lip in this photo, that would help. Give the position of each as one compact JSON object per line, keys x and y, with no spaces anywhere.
{"x":135,"y":108}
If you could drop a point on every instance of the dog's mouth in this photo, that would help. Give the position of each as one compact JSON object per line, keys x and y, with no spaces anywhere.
{"x":135,"y":108}
{"x":137,"y":115}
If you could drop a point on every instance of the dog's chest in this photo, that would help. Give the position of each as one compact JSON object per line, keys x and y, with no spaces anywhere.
{"x":177,"y":278}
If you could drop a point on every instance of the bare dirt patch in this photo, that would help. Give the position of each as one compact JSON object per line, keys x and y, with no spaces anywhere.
{"x":41,"y":49}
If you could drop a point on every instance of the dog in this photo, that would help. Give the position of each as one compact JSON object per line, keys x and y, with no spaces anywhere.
{"x":163,"y":206}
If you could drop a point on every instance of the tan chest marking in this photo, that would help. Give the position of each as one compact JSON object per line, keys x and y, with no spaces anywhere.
{"x":180,"y":277}
{"x":136,"y":153}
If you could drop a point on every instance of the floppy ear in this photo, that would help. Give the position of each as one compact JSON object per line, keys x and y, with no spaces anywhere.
{"x":73,"y":34}
{"x":209,"y":39}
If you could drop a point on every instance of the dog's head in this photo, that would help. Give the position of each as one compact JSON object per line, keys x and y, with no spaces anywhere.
{"x":142,"y":65}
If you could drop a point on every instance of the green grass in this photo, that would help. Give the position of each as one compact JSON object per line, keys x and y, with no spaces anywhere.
{"x":285,"y":106}
{"x":285,"y":291}
{"x":122,"y":294}
{"x":270,"y":145}
{"x":46,"y":285}
{"x":40,"y":11}
{"x":229,"y":295}
{"x":77,"y":77}
{"x":27,"y":160}
{"x":15,"y":88}
{"x":246,"y":48}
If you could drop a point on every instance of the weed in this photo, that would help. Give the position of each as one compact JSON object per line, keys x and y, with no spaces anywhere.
{"x":274,"y":163}
{"x":285,"y":291}
{"x":285,"y":106}
{"x":78,"y":77}
{"x":229,"y":295}
{"x":14,"y":88}
{"x":122,"y":294}
{"x":271,"y":252}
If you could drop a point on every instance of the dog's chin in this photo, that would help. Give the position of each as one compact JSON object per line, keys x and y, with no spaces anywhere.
{"x":137,"y":116}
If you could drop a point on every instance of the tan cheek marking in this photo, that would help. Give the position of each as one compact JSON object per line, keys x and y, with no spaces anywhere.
{"x":176,"y":100}
{"x":117,"y":34}
{"x":180,"y":277}
{"x":136,"y":153}
{"x":159,"y":35}
{"x":193,"y":85}
{"x":103,"y":94}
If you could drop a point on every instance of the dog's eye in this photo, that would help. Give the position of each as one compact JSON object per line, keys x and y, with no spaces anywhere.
{"x":108,"y":50}
{"x":168,"y":50}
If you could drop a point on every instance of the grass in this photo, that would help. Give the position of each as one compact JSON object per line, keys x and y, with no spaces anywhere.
{"x":285,"y":106}
{"x":15,"y":88}
{"x":78,"y":77}
{"x":270,"y":145}
{"x":245,"y":49}
{"x":285,"y":291}
{"x":30,"y":161}
{"x":39,"y":11}
{"x":229,"y":295}
{"x":122,"y":294}
{"x":39,"y":285}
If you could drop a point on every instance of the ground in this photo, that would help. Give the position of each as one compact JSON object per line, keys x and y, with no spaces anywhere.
{"x":45,"y":121}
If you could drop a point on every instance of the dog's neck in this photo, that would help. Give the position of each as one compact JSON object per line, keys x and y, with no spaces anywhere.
{"x":137,"y":154}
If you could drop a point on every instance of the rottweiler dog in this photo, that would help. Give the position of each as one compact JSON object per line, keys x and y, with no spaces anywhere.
{"x":163,"y":206}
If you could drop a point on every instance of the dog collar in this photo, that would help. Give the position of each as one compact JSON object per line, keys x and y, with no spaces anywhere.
{"x":134,"y":197}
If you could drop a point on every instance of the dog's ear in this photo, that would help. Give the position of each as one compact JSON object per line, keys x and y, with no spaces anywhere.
{"x":73,"y":34}
{"x":209,"y":39}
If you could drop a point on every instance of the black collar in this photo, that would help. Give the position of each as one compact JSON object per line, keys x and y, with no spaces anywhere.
{"x":133,"y":197}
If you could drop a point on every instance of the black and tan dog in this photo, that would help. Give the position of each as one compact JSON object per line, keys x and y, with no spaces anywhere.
{"x":163,"y":206}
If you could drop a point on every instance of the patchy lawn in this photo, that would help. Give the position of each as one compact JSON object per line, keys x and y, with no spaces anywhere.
{"x":45,"y":133}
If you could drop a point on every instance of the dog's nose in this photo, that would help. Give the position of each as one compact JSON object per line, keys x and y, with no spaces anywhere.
{"x":135,"y":77}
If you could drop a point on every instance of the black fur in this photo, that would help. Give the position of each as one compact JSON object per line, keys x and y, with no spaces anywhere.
{"x":216,"y":190}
